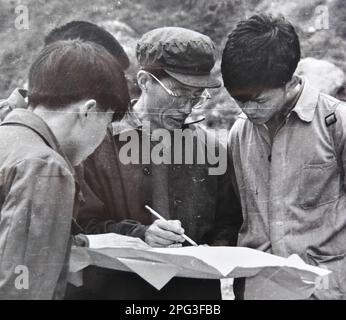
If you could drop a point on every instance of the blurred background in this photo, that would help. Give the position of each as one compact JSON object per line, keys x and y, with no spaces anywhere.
{"x":321,"y":25}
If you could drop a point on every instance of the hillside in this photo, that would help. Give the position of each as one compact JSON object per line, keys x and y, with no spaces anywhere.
{"x":215,"y":18}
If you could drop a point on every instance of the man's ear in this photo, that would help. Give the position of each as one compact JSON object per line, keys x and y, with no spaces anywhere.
{"x":291,"y":87}
{"x":143,"y":79}
{"x":87,"y":107}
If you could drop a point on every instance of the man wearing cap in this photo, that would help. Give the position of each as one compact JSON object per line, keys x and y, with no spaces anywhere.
{"x":175,"y":73}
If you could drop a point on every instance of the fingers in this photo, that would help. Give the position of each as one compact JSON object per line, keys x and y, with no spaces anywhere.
{"x":155,"y":241}
{"x":164,"y":233}
{"x":170,"y":225}
{"x":169,"y":230}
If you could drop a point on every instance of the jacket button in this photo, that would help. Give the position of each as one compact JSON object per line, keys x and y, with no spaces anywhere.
{"x":147,"y":171}
{"x":177,"y":202}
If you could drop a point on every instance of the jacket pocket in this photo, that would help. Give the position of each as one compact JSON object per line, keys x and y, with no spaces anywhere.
{"x":334,"y":287}
{"x":319,"y":184}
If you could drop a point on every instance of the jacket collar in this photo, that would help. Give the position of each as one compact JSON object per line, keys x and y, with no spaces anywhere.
{"x":17,"y":99}
{"x":27,"y":118}
{"x":307,"y":102}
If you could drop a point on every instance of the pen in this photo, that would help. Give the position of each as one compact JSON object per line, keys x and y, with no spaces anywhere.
{"x":157,"y":215}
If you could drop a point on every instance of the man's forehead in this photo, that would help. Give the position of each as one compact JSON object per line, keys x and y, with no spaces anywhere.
{"x":179,"y":85}
{"x":252,"y":93}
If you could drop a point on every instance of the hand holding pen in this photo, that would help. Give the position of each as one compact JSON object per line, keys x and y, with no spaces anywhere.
{"x":177,"y":232}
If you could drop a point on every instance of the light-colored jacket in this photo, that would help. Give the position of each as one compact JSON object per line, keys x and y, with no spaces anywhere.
{"x":293,"y":191}
{"x":37,"y":190}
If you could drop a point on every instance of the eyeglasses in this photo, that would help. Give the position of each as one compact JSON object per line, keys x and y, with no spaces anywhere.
{"x":196,"y":101}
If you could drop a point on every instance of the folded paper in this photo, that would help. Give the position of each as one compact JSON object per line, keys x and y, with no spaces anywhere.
{"x":278,"y":277}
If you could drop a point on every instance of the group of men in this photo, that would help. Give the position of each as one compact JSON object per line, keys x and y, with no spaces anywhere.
{"x":67,"y":179}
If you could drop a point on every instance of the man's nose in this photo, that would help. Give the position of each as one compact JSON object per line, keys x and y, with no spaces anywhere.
{"x":250,"y":105}
{"x":186,"y":107}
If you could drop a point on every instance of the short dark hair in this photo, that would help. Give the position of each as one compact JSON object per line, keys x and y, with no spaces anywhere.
{"x":88,"y":31}
{"x":262,"y":52}
{"x":69,"y":71}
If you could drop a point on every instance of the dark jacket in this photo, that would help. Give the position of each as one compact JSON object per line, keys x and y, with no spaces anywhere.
{"x":205,"y":204}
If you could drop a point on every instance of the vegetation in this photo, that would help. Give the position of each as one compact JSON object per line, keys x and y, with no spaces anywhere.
{"x":215,"y":18}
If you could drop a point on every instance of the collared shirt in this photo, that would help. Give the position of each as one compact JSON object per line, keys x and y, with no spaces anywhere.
{"x":292,"y":189}
{"x":37,"y":197}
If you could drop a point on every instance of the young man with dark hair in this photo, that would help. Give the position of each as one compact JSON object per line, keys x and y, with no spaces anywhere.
{"x":288,"y":152}
{"x":261,"y":53}
{"x":75,"y":90}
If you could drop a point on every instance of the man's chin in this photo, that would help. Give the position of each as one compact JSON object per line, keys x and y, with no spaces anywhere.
{"x":257,"y":120}
{"x":172,"y":124}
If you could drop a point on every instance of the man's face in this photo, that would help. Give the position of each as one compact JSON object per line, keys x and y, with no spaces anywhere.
{"x":263,"y":106}
{"x":168,"y":111}
{"x":95,"y":130}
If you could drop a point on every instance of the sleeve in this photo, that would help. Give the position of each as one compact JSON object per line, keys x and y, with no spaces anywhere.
{"x":228,"y":218}
{"x":80,"y":240}
{"x":94,"y":216}
{"x":35,"y":229}
{"x":340,"y":137}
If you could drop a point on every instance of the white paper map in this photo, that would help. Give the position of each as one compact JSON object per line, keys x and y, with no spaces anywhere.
{"x":159,"y":266}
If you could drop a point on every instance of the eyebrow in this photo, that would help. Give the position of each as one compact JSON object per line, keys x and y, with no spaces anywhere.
{"x":242,"y":98}
{"x":192,"y":90}
{"x":249,"y":98}
{"x":175,"y":84}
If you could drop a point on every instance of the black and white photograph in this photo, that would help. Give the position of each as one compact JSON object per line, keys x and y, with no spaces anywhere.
{"x":187,"y":151}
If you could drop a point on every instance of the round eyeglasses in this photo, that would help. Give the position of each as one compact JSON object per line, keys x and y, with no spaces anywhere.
{"x":197,"y":101}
